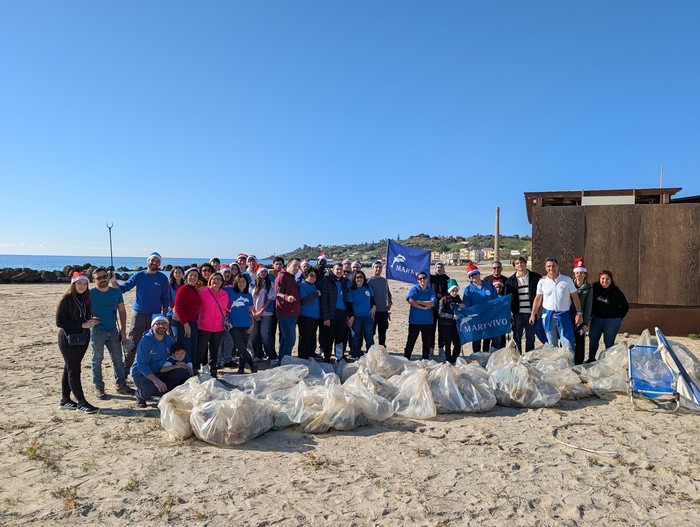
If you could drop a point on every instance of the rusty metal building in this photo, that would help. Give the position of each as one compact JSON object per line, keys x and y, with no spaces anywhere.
{"x":649,"y":241}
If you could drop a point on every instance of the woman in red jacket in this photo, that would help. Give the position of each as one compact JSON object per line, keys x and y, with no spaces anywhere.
{"x":186,"y":309}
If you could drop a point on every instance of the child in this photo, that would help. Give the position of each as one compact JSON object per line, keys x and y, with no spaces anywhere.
{"x":447,"y":311}
{"x":241,"y":318}
{"x":178,"y":359}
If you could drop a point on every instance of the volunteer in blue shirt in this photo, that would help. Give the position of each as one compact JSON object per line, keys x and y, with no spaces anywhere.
{"x":477,"y":292}
{"x":152,"y":297}
{"x":153,"y":350}
{"x":107,"y":303}
{"x":241,"y":318}
{"x":362,"y":306}
{"x":420,"y":316}
{"x":310,"y":314}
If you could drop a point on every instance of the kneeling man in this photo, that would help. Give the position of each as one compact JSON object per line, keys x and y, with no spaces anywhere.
{"x":152,"y":352}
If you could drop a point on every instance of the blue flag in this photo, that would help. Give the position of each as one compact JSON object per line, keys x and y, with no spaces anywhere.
{"x":484,"y":321}
{"x":404,"y":263}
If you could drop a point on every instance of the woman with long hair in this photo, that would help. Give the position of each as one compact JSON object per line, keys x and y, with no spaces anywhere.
{"x":212,"y":317}
{"x":186,"y":311}
{"x":609,"y":308}
{"x":263,"y":310}
{"x":75,"y":320}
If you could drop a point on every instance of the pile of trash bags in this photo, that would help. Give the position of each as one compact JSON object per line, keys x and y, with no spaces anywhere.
{"x":319,"y":397}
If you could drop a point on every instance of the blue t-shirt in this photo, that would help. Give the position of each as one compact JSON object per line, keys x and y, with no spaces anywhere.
{"x":239,"y":308}
{"x":421,"y":316}
{"x":312,"y":310}
{"x":360,"y":300}
{"x":104,"y":307}
{"x":473,"y":295}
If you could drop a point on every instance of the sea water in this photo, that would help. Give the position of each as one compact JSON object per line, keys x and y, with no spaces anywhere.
{"x":53,"y":263}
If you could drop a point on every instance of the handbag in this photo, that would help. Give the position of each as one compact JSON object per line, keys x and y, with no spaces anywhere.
{"x":227,"y":323}
{"x":78,"y":339}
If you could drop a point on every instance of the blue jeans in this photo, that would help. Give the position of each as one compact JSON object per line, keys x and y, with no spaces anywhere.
{"x":561,"y":331}
{"x":99,"y":338}
{"x":608,"y":328}
{"x":189,"y":343}
{"x":262,"y":339}
{"x":288,"y":335}
{"x":362,"y":326}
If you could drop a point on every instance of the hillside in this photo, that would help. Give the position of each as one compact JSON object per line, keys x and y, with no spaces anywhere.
{"x":369,"y":251}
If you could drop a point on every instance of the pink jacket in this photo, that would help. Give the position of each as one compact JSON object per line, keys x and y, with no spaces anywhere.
{"x":210,"y":318}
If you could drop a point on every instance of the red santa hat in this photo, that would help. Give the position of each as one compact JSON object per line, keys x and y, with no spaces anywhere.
{"x":260,"y":268}
{"x":472,"y":270}
{"x":579,"y":265}
{"x":78,"y":275}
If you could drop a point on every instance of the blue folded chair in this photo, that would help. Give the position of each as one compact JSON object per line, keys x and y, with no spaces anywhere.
{"x":650,"y":377}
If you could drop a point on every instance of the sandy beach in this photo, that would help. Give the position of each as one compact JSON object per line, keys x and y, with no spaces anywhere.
{"x":119,"y":467}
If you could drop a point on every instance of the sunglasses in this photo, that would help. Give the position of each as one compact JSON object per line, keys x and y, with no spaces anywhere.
{"x":103,"y":277}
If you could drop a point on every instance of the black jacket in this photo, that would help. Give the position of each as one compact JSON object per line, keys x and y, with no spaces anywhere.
{"x":329,"y":295}
{"x":439,"y":284}
{"x":447,"y":308}
{"x":512,"y":288}
{"x":609,"y":303}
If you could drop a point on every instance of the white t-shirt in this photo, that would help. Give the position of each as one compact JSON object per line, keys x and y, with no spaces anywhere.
{"x":556,"y":294}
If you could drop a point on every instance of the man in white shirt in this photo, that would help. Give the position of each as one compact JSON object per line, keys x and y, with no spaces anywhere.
{"x":555,"y":292}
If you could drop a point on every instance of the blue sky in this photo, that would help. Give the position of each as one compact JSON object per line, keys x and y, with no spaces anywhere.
{"x":210,"y":128}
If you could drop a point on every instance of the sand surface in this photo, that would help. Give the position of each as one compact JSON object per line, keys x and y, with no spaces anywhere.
{"x":501,"y":468}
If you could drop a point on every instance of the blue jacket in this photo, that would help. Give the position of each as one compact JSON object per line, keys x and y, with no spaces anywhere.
{"x":151,"y":354}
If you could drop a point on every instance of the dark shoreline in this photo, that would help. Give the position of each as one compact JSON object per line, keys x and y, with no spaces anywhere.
{"x":25,"y":275}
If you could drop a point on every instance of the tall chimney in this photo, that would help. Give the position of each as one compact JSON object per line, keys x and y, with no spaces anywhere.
{"x":497,"y":237}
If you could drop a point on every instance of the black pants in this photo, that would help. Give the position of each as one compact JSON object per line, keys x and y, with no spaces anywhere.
{"x":495,"y":343}
{"x":381,"y":324}
{"x":145,"y":388}
{"x":208,"y":341}
{"x":72,"y":357}
{"x":140,"y":323}
{"x":240,"y":343}
{"x":579,"y":345}
{"x":425,"y":333}
{"x":441,"y":338}
{"x":335,"y":332}
{"x":453,"y":347}
{"x":307,"y":336}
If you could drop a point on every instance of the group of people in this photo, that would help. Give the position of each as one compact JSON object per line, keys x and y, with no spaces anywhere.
{"x":560,"y":310}
{"x":195,"y":310}
{"x":180,"y":323}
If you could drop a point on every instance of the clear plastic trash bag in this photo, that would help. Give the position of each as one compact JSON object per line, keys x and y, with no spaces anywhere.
{"x":519,"y":385}
{"x":412,"y":397}
{"x":231,"y":421}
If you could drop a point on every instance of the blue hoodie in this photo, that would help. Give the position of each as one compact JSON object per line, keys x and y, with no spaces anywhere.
{"x":151,"y":354}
